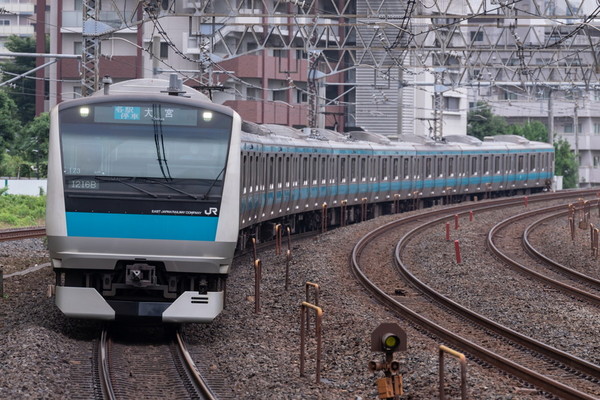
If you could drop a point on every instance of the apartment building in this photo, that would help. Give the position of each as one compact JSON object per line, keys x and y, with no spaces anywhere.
{"x":16,"y":19}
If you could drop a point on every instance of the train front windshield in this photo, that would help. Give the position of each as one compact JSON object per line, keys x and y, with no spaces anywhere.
{"x":144,"y":144}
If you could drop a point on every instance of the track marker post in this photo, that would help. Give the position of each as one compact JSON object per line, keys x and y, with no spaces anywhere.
{"x":257,"y":277}
{"x":304,"y":307}
{"x":447,"y":231}
{"x":456,"y":224}
{"x":457,"y":252}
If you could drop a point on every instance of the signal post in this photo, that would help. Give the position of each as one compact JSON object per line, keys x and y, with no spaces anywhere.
{"x":388,"y":338}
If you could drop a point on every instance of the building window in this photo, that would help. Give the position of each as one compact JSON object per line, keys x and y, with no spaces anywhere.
{"x":596,"y":128}
{"x":253,"y":93}
{"x":164,"y":50}
{"x":279,"y":53}
{"x":77,"y":48}
{"x":4,"y":22}
{"x":452,"y":103}
{"x":596,"y":161}
{"x":476,"y":36}
{"x":508,"y":95}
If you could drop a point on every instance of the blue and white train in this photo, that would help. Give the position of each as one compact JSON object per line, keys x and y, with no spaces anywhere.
{"x":151,"y":187}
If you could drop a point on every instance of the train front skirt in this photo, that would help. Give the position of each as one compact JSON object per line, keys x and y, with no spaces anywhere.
{"x":190,"y":306}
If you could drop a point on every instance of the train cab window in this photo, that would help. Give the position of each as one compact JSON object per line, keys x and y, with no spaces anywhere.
{"x":313,"y":170}
{"x":532,"y":165}
{"x":473,"y":165}
{"x":497,"y":165}
{"x":323,"y":170}
{"x":486,"y":165}
{"x":428,"y":168}
{"x":521,"y":164}
{"x":343,"y":171}
{"x":363,"y":170}
{"x":384,"y":169}
{"x":405,"y":169}
{"x":451,"y":166}
{"x":440,"y":167}
{"x":395,"y":168}
{"x":353,"y":173}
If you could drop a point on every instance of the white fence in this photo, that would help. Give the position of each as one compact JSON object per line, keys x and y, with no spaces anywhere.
{"x":31,"y":187}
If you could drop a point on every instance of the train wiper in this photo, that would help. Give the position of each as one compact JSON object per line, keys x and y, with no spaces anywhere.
{"x":171,"y":187}
{"x":122,"y":180}
{"x":205,"y":195}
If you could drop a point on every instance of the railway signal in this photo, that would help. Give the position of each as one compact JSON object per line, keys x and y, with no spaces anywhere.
{"x":388,"y":338}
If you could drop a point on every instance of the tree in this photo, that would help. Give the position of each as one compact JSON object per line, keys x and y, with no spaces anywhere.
{"x":22,"y":90}
{"x":481,"y":122}
{"x":32,"y":144}
{"x":565,"y":163}
{"x":535,"y":131}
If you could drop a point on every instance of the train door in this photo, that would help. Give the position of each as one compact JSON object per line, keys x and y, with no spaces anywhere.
{"x":270,"y":186}
{"x":314,"y":181}
{"x":343,"y":178}
{"x":521,"y":169}
{"x":534,"y":168}
{"x":304,"y":179}
{"x":418,"y":178}
{"x":474,"y":173}
{"x":486,"y":174}
{"x":385,"y":177}
{"x":395,"y":176}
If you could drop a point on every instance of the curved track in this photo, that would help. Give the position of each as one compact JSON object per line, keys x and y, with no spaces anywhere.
{"x":536,"y":363}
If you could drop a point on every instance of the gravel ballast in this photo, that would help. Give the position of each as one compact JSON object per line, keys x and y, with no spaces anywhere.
{"x":44,"y":355}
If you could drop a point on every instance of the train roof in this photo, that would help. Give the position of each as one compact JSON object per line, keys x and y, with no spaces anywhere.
{"x":151,"y":86}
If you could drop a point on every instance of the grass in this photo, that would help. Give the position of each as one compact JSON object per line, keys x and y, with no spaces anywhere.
{"x":19,"y":211}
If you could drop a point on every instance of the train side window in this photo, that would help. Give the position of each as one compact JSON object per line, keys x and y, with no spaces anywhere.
{"x":270,"y":172}
{"x":451,"y":166}
{"x":353,"y":173}
{"x":497,"y":164}
{"x":373,"y":177}
{"x":343,"y":171}
{"x":532,"y":165}
{"x":417,"y":168}
{"x":304,"y":171}
{"x":473,"y":165}
{"x":395,"y":168}
{"x":428,"y":167}
{"x":440,"y":167}
{"x":363,"y":170}
{"x":486,"y":165}
{"x":521,"y":164}
{"x":287,"y":171}
{"x":405,"y":169}
{"x":384,"y":169}
{"x":279,"y":172}
{"x":332,"y":169}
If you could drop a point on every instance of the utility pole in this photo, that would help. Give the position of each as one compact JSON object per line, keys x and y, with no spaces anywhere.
{"x":91,"y":48}
{"x":550,"y":117}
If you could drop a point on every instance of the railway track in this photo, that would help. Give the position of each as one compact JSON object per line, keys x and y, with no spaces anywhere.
{"x":501,"y":241}
{"x":152,"y":368}
{"x":22,"y":233}
{"x":551,"y":370}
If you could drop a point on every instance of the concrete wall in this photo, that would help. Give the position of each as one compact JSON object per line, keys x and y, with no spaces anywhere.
{"x":29,"y":187}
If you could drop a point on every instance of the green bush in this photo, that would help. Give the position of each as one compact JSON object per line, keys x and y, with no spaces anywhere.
{"x":21,"y":210}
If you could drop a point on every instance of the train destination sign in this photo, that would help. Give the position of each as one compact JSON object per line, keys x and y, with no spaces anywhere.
{"x":146,"y":114}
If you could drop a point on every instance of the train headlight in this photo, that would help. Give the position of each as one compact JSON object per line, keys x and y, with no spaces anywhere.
{"x":84,"y":111}
{"x":207,"y":116}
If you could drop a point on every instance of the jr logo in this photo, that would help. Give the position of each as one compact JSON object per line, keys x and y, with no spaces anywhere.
{"x":211,"y":211}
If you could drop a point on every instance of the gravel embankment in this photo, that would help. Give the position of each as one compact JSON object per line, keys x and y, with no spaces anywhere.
{"x":43,"y":355}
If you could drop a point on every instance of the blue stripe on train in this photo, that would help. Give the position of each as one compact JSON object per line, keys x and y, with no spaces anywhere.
{"x":137,"y":226}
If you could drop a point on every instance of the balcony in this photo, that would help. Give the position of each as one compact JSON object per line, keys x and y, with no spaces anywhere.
{"x":18,"y":30}
{"x":72,"y":21}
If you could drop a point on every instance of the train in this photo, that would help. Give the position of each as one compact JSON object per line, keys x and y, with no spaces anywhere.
{"x":152,"y":187}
